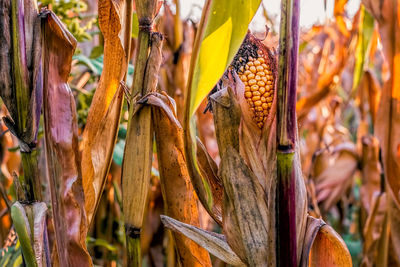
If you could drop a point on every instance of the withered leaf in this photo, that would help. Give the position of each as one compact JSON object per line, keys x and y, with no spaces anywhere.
{"x":94,"y":166}
{"x":179,"y":196}
{"x":61,"y":138}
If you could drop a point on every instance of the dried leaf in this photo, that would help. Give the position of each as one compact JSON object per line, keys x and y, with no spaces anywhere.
{"x":323,"y":246}
{"x":373,"y":230}
{"x":180,"y":199}
{"x":61,"y":139}
{"x":328,"y":249}
{"x":333,"y":182}
{"x":371,"y":172}
{"x":247,"y":218}
{"x":95,"y":166}
{"x":387,"y":126}
{"x":215,"y":243}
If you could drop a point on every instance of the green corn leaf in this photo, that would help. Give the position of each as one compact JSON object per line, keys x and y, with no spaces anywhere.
{"x":226,"y":23}
{"x":223,"y":27}
{"x":366,"y":30}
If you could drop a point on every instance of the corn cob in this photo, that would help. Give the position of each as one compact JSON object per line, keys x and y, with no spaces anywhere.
{"x":256,"y":68}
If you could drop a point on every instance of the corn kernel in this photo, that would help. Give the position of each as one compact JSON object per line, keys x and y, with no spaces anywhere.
{"x":254,"y":87}
{"x":258,"y":79}
{"x":257,"y":103}
{"x":252,"y":82}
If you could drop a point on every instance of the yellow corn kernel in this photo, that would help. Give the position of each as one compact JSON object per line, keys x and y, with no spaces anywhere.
{"x":252,"y":82}
{"x":254,"y":87}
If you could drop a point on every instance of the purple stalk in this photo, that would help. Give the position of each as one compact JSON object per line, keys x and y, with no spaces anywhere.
{"x":286,"y":134}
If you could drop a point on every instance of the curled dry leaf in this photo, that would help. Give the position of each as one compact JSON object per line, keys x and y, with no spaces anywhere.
{"x":323,"y":246}
{"x":61,"y":139}
{"x":179,"y":196}
{"x":215,"y":243}
{"x":334,"y":181}
{"x":96,"y":155}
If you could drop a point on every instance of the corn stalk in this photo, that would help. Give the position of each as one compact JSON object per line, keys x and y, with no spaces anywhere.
{"x":286,"y":134}
{"x":136,"y":167}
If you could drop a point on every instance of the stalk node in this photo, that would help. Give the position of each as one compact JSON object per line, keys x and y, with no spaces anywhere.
{"x":131,"y":231}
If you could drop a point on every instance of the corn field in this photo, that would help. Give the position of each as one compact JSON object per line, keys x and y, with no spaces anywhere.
{"x":199,"y":133}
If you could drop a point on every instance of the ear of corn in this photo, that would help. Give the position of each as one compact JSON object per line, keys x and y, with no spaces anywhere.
{"x":256,"y":71}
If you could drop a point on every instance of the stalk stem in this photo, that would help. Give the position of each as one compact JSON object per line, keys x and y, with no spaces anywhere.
{"x":286,"y":134}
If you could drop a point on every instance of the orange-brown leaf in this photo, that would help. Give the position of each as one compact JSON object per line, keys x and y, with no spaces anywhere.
{"x":94,"y":165}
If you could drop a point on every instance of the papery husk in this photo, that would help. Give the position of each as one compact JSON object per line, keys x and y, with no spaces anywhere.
{"x":61,"y":141}
{"x":96,"y":154}
{"x":257,"y":155}
{"x":258,"y":149}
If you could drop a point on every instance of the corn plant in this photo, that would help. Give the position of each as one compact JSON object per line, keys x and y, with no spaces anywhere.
{"x":231,"y":148}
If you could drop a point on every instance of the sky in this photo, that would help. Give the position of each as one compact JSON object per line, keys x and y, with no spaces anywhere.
{"x":311,"y":11}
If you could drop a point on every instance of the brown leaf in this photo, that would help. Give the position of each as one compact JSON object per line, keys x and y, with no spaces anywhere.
{"x":62,"y":153}
{"x":94,"y":165}
{"x":373,"y":231}
{"x":329,"y":249}
{"x":387,"y":126}
{"x":323,"y":246}
{"x":333,"y":182}
{"x":370,"y":171}
{"x":247,"y":218}
{"x":179,"y":196}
